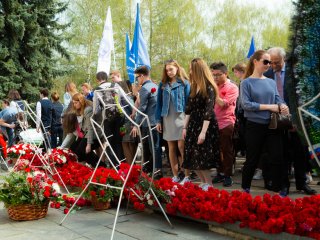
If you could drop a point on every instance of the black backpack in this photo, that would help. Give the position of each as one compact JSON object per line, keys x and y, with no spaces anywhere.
{"x":112,"y":102}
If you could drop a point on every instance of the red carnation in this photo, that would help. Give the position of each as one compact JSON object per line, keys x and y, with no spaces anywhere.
{"x":102,"y":193}
{"x":57,"y":205}
{"x":46,"y":194}
{"x":66,"y":210}
{"x":153,"y":90}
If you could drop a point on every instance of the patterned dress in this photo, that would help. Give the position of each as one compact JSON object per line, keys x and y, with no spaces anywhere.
{"x":206,"y":155}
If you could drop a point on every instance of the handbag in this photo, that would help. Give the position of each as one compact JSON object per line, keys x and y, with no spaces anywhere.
{"x":280,"y":121}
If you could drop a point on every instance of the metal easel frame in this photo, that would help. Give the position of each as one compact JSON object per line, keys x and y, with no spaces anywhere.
{"x":105,"y":144}
{"x":46,"y":164}
{"x":302,"y":110}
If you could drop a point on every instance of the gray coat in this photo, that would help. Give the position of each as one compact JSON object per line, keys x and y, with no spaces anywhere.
{"x":148,"y":102}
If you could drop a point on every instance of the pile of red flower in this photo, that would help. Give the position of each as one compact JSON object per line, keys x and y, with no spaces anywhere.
{"x":72,"y":174}
{"x":67,"y":200}
{"x":270,"y":214}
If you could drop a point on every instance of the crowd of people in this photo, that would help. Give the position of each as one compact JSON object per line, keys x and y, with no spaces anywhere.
{"x":203,"y":119}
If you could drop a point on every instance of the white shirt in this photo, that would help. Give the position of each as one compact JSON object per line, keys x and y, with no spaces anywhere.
{"x":38,"y":110}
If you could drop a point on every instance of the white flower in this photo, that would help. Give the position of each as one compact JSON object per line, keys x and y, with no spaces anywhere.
{"x":56,"y":187}
{"x":150,"y":202}
{"x":148,"y":196}
{"x":14,"y":150}
{"x":64,"y":159}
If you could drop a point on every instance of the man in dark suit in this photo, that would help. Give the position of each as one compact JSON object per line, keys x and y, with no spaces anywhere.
{"x":294,"y":149}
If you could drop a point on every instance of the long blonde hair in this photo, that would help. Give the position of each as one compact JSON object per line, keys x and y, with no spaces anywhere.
{"x":71,"y":88}
{"x":83,"y":102}
{"x":181,"y":73}
{"x":200,"y":77}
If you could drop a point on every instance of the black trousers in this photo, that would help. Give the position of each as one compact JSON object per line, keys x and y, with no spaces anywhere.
{"x":258,"y":136}
{"x":47,"y":137}
{"x":56,"y":133}
{"x":112,"y":129}
{"x":79,"y":148}
{"x":295,"y":152}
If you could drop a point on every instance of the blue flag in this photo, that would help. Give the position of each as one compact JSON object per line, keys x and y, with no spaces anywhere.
{"x":252,"y":48}
{"x":139,"y":47}
{"x":129,"y":60}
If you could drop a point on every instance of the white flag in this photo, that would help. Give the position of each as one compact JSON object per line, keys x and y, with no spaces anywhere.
{"x":106,"y":46}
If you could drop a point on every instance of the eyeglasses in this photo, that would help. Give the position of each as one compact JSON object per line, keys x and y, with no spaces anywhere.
{"x":266,"y":62}
{"x":137,"y":77}
{"x":217,"y":75}
{"x":276,"y":63}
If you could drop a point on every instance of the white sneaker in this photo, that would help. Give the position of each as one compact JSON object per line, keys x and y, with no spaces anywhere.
{"x":185,"y":180}
{"x":175,"y":179}
{"x":257,"y":175}
{"x":309,"y":178}
{"x":205,"y":186}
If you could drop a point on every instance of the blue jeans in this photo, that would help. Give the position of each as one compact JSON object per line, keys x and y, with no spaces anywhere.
{"x":147,"y":149}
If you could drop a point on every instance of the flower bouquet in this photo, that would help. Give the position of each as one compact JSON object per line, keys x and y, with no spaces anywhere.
{"x":26,"y":193}
{"x":19,"y":150}
{"x":61,"y":156}
{"x":101,"y":196}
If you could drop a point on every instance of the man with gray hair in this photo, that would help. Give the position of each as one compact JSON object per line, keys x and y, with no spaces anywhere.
{"x":278,"y":57}
{"x":293,"y":148}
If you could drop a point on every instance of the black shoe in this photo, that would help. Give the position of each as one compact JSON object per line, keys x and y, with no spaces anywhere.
{"x":227,"y":182}
{"x":307,"y":190}
{"x":181,"y":175}
{"x":158,"y":175}
{"x":284,"y":192}
{"x":268,"y":185}
{"x":218,"y":179}
{"x":193,"y":175}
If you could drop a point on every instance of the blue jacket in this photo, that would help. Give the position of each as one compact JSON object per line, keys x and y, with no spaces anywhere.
{"x":178,"y":93}
{"x":148,"y":101}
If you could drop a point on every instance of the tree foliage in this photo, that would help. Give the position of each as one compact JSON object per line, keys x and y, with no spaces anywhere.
{"x":30,"y":44}
{"x":180,"y":29}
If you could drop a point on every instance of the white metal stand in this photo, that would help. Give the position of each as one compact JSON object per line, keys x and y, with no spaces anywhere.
{"x":105,"y":144}
{"x":47,"y":165}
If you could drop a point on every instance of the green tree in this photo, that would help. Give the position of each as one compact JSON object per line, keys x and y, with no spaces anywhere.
{"x":87,"y":19}
{"x":30,"y":45}
{"x":180,"y":29}
{"x":232,"y":24}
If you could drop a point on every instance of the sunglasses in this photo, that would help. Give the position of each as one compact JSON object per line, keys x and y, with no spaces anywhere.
{"x":266,"y":62}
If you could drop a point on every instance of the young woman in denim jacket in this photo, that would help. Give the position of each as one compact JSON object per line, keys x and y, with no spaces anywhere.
{"x":173,"y":93}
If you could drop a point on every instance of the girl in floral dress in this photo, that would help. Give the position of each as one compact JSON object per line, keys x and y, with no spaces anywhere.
{"x":200,"y":129}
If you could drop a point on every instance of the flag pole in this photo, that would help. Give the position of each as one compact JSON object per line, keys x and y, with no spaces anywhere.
{"x":114,"y":59}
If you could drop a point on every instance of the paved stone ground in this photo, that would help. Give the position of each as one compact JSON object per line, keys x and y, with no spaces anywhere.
{"x":95,"y":225}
